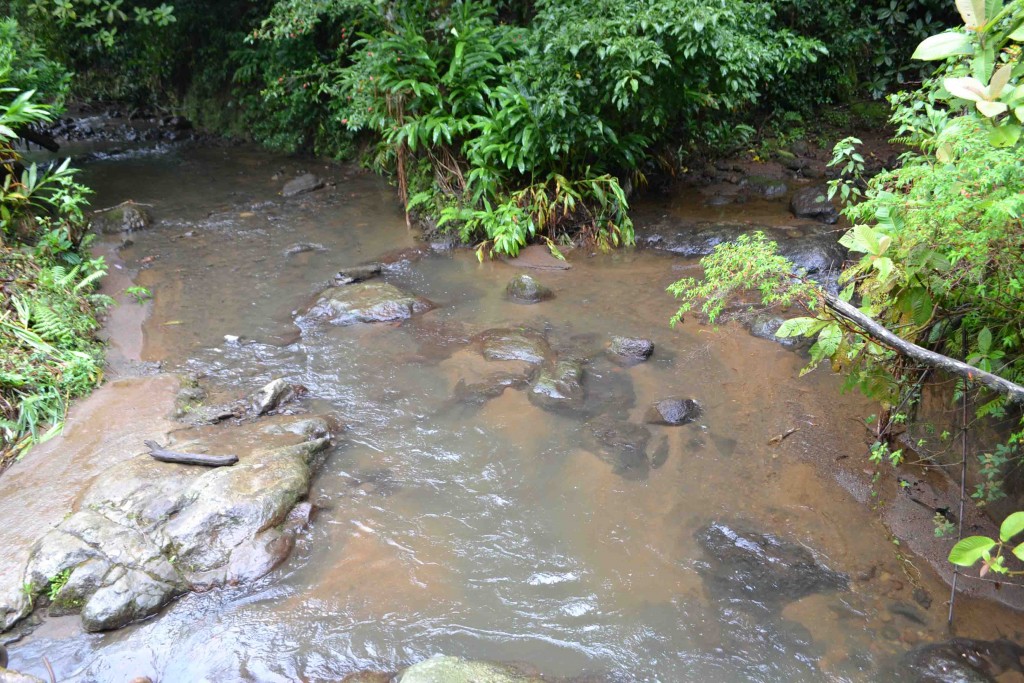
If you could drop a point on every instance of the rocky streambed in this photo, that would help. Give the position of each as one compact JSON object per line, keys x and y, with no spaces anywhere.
{"x":455,"y":471}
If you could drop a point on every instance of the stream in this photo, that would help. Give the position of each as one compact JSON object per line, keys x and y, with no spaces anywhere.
{"x":489,"y":528}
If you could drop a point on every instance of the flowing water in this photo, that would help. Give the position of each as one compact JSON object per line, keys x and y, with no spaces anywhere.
{"x":492,"y":531}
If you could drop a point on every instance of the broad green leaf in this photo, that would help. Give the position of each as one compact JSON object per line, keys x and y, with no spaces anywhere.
{"x":972,"y":12}
{"x":1019,"y":113}
{"x":1018,"y":34}
{"x":1005,"y":135}
{"x":884,"y":267}
{"x":982,"y":64}
{"x":985,"y":343}
{"x":1011,"y":526}
{"x":999,"y":80}
{"x":966,"y":88}
{"x":944,"y":45}
{"x":991,"y":109}
{"x":970,"y":550}
{"x":795,"y":327}
{"x":1019,"y":552}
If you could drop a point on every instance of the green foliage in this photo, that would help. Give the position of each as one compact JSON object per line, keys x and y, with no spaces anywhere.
{"x":47,"y":308}
{"x":57,"y":583}
{"x":510,"y":133}
{"x":989,"y":551}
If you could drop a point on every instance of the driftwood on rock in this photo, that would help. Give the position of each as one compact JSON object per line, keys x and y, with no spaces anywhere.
{"x":872,"y":328}
{"x":163,"y":455}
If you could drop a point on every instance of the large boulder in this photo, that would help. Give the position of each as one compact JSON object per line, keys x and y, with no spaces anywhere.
{"x":631,"y":349}
{"x":558,"y":386}
{"x":146,"y":532}
{"x":519,"y":343}
{"x":958,"y":660}
{"x":127,"y":217}
{"x":366,"y":302}
{"x":761,"y":569}
{"x":304,"y":183}
{"x":818,"y":255}
{"x":458,"y":670}
{"x":813,"y":202}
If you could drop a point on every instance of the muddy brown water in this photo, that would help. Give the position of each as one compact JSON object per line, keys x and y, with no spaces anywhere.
{"x":491,"y":532}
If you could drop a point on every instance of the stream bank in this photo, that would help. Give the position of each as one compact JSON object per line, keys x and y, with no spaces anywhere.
{"x":477,"y":503}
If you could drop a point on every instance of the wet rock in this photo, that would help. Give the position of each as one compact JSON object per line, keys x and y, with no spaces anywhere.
{"x":127,"y":217}
{"x":609,"y":389}
{"x":621,"y":444}
{"x":698,"y":239}
{"x":631,"y":348}
{"x":199,"y":415}
{"x":303,"y":247}
{"x":146,"y":532}
{"x":760,"y":569}
{"x":442,"y":669}
{"x":959,"y":660}
{"x":301,"y":185}
{"x":765,"y":327}
{"x":366,"y":302}
{"x":478,"y":393}
{"x":816,"y":254}
{"x":347,"y":276}
{"x":813,"y":202}
{"x":763,"y":186}
{"x":369,"y":677}
{"x":521,"y":343}
{"x":558,"y":386}
{"x":673,"y":411}
{"x":923,"y":598}
{"x":538,"y":257}
{"x":273,"y":396}
{"x":525,"y":289}
{"x":8,"y":676}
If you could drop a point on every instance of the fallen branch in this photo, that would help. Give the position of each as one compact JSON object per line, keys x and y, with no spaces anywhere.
{"x":872,"y":328}
{"x":159,"y":453}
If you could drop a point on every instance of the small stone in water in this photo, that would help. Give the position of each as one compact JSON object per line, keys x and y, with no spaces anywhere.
{"x":673,"y":411}
{"x":525,"y":289}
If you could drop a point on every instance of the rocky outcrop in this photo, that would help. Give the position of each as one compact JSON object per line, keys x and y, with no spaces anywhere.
{"x":365,"y":302}
{"x":813,"y":202}
{"x":146,"y":532}
{"x":306,"y":182}
{"x":127,"y":217}
{"x":764,"y":187}
{"x":525,"y":289}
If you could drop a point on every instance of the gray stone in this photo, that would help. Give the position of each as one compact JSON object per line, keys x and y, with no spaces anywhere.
{"x":620,"y":443}
{"x":366,"y":302}
{"x":673,"y":411}
{"x":347,"y":276}
{"x":760,"y":569}
{"x":148,"y":531}
{"x":127,"y":217}
{"x":492,"y":386}
{"x":765,"y":327}
{"x":813,"y":202}
{"x":273,"y":396}
{"x":458,"y":670}
{"x":303,"y":247}
{"x":632,"y":348}
{"x":521,"y":343}
{"x":818,"y":255}
{"x":958,"y":660}
{"x":301,"y":185}
{"x":558,"y":386}
{"x":763,"y":186}
{"x":525,"y":289}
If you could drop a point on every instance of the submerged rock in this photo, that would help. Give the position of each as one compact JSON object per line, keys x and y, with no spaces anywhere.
{"x":302,"y":184}
{"x":765,"y":327}
{"x":622,"y":444}
{"x":521,"y":343}
{"x":492,"y":386}
{"x":818,"y":255}
{"x":763,"y":186}
{"x":813,"y":202}
{"x":558,"y":386}
{"x":458,"y":670}
{"x":146,"y":532}
{"x":631,"y":348}
{"x":366,"y":302}
{"x":673,"y":411}
{"x":760,"y":569}
{"x":959,"y":660}
{"x":525,"y":289}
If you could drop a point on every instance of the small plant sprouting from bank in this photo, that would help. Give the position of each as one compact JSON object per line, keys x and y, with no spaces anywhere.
{"x":57,"y":584}
{"x":139,"y":294}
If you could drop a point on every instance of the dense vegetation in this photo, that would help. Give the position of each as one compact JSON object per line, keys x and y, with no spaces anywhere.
{"x":938,"y":241}
{"x":47,"y":309}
